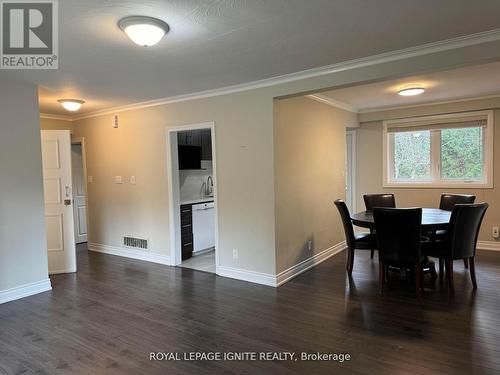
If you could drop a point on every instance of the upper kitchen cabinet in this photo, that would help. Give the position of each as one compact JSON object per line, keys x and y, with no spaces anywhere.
{"x":206,"y":144}
{"x":189,"y":138}
{"x":199,"y":137}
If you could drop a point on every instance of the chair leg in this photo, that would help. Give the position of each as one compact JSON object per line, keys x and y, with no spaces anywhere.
{"x":449,"y":276}
{"x":381,"y":276}
{"x":350,"y":261}
{"x":418,"y":280}
{"x":372,"y":253}
{"x":441,"y":270}
{"x":473,"y":272}
{"x":466,"y":263}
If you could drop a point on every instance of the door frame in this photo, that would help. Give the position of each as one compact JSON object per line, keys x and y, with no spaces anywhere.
{"x":174,"y":190}
{"x":353,"y":157}
{"x":71,"y":269}
{"x":81,"y":141}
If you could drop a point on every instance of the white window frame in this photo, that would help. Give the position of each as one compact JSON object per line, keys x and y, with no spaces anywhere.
{"x":435,"y":181}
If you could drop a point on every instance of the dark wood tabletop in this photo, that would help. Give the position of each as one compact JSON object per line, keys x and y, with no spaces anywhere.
{"x":432,"y":219}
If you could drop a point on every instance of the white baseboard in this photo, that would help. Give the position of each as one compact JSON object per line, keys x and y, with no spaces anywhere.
{"x":488,"y":245}
{"x":284,"y":276}
{"x":25,"y":290}
{"x":131,"y":253}
{"x":234,"y":273}
{"x":303,"y":266}
{"x":245,"y":275}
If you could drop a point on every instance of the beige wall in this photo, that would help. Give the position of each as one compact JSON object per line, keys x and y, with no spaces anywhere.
{"x":309,"y":158}
{"x":244,"y":149}
{"x":55,"y":124}
{"x":369,"y":163}
{"x":245,"y":156}
{"x":23,"y":248}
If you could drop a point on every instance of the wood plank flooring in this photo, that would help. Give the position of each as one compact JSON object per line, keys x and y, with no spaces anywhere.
{"x":108,"y":317}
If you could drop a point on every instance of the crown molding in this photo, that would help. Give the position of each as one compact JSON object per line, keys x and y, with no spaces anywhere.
{"x":55,"y":117}
{"x":427,"y":104}
{"x":424,"y":49}
{"x":333,"y":102}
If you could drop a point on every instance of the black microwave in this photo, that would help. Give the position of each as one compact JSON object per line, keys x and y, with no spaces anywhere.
{"x":189,"y":157}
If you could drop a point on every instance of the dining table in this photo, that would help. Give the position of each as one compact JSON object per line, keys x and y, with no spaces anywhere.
{"x":433,"y":219}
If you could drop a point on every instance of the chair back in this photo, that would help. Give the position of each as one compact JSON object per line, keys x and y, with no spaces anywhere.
{"x":398,"y":234}
{"x":379,"y":200}
{"x":465,"y":223}
{"x":448,"y":201}
{"x":346,"y":221}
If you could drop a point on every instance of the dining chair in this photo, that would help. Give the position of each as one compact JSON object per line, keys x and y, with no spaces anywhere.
{"x":378,"y":200}
{"x":461,"y":241}
{"x":355,"y":241}
{"x":447,"y":202}
{"x":399,"y":242}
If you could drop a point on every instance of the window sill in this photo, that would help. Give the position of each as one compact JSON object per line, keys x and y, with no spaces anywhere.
{"x":438,"y":185}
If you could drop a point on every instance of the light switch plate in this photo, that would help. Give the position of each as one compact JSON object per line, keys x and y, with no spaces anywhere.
{"x":90,"y":179}
{"x":118,"y":180}
{"x":132,"y":180}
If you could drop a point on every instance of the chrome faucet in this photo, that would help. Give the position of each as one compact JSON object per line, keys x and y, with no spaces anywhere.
{"x":207,"y":188}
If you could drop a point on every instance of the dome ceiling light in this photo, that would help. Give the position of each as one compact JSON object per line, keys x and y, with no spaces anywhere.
{"x":411,"y":90}
{"x":71,"y":105}
{"x":144,"y":31}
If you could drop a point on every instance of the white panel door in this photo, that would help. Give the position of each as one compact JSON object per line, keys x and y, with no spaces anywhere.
{"x":79,"y":194}
{"x":56,"y":159}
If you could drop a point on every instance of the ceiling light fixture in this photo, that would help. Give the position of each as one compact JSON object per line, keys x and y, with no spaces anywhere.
{"x":411,"y":90}
{"x":144,"y":31}
{"x":71,"y":105}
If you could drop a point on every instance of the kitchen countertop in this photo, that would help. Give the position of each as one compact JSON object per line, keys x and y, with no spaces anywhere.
{"x":198,"y":200}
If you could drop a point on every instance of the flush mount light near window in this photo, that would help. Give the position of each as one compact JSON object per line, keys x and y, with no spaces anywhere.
{"x":71,"y":105}
{"x":144,"y":31}
{"x":411,"y":90}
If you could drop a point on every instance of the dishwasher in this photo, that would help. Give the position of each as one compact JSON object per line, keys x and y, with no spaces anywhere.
{"x":203,"y":226}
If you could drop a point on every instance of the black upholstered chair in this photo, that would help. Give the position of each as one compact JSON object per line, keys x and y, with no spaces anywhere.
{"x":378,"y":200}
{"x":447,"y":202}
{"x":355,"y":241}
{"x":460,"y":243}
{"x":399,"y":242}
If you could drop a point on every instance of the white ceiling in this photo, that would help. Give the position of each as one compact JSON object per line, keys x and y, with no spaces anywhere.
{"x":217,"y":43}
{"x":469,"y":82}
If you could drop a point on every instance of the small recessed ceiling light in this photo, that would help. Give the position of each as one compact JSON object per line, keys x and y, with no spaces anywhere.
{"x":144,"y":31}
{"x":411,"y":90}
{"x":71,"y":105}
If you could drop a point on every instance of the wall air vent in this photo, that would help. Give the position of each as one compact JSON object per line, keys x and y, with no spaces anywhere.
{"x":134,"y":242}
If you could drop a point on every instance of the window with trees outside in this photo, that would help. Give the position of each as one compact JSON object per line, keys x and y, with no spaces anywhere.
{"x":452,"y":150}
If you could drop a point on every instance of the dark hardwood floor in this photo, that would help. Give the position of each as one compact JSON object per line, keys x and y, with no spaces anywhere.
{"x":108,"y":317}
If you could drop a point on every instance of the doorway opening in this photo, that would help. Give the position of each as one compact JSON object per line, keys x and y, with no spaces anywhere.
{"x":79,"y":184}
{"x":350,"y":175}
{"x":193,"y":196}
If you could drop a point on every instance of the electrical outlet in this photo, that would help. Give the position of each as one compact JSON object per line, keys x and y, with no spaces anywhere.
{"x":495,"y":232}
{"x":310,"y":245}
{"x":235,"y":253}
{"x":132,"y":180}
